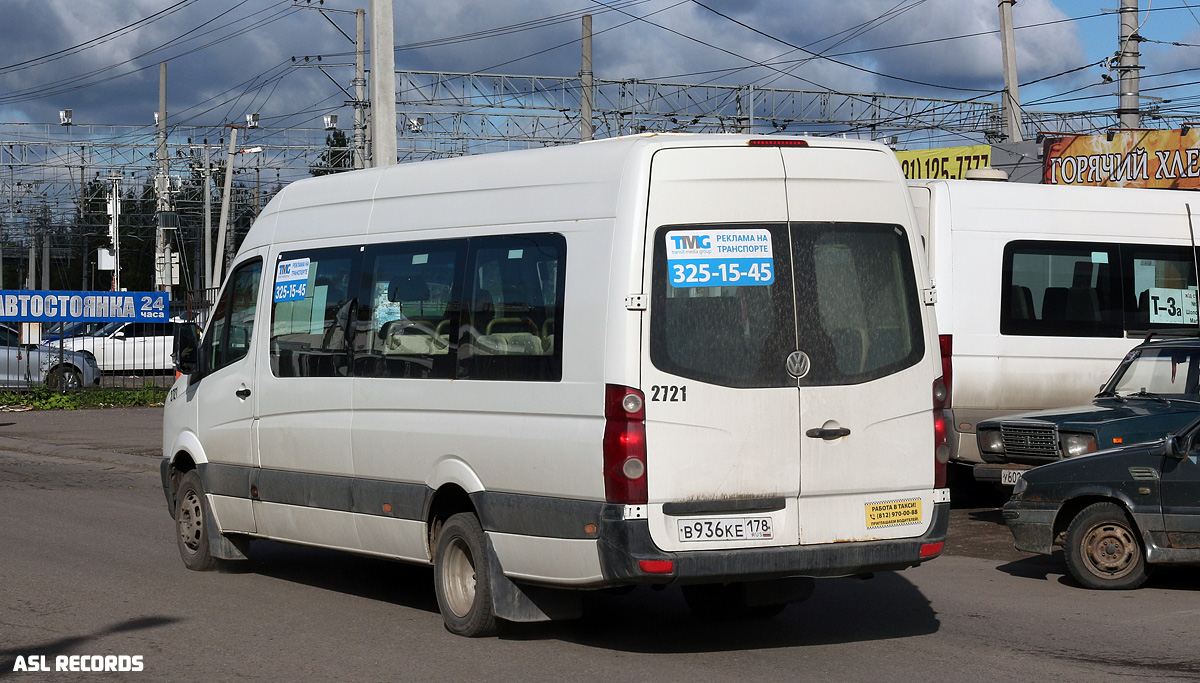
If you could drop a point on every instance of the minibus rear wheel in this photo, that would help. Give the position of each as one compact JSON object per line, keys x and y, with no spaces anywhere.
{"x":191,"y":523}
{"x":461,"y":578}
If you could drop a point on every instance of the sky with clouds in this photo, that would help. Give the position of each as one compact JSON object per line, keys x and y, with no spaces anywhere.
{"x":228,"y":57}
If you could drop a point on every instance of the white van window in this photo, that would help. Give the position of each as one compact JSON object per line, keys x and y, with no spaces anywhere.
{"x":1161,"y":289}
{"x":228,"y":338}
{"x":1086,"y":289}
{"x":408,"y":320}
{"x":844,"y":294}
{"x":310,"y":326}
{"x":729,"y":335}
{"x":857,"y":305}
{"x":514,"y":308}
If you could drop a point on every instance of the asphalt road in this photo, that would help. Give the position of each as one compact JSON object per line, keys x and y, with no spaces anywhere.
{"x":88,"y":566}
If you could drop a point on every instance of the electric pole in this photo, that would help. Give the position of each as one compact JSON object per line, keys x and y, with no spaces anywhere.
{"x":114,"y":217}
{"x":167,"y":219}
{"x":360,"y":89}
{"x":1129,"y":105}
{"x":383,"y":84}
{"x":226,"y":199}
{"x":208,"y":262}
{"x":585,"y":79}
{"x":1008,"y":52}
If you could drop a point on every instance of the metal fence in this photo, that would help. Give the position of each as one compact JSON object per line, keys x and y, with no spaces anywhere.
{"x":83,"y":356}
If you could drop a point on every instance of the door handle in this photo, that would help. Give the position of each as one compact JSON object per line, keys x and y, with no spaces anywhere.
{"x":827,"y":434}
{"x":242,"y":393}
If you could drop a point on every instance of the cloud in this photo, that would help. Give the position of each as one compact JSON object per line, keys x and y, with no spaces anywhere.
{"x":242,"y":48}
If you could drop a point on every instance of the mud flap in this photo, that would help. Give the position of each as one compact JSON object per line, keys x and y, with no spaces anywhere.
{"x":221,"y":546}
{"x":519,"y":602}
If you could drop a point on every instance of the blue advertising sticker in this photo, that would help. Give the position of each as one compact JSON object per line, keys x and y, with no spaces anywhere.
{"x":291,"y":280}
{"x":713,"y":258}
{"x":91,"y":307}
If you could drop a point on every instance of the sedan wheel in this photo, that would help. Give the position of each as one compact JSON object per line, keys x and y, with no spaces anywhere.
{"x":1104,"y":549}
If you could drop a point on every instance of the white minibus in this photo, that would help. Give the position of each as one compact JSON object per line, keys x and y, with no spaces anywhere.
{"x":704,"y":361}
{"x":1042,"y":289}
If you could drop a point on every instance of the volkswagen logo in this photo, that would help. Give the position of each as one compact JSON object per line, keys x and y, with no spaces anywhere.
{"x":798,"y":364}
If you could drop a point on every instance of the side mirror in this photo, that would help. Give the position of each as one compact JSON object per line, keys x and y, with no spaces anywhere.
{"x":1177,"y":446}
{"x":186,"y":349}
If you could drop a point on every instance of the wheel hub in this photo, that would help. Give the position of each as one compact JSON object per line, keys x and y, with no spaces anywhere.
{"x":458,"y":578}
{"x":1110,"y":550}
{"x":190,"y":521}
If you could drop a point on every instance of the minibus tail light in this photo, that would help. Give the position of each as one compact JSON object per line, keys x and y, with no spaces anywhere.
{"x":624,"y":445}
{"x":946,"y":343}
{"x":941,"y":450}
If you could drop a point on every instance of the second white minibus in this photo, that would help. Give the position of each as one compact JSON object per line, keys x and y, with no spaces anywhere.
{"x":1042,"y":289}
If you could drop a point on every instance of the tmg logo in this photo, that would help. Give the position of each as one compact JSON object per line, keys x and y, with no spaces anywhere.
{"x":691,"y":241}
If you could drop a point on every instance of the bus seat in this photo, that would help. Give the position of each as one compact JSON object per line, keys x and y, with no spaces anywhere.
{"x":1054,"y":303}
{"x":1082,"y":304}
{"x":1020,"y":303}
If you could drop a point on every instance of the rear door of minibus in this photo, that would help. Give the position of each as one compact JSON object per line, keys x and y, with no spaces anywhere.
{"x":787,"y":397}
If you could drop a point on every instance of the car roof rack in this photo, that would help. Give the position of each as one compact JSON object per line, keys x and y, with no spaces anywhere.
{"x":1160,"y":332}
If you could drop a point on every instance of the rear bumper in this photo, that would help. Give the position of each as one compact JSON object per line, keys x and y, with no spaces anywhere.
{"x":625,"y":543}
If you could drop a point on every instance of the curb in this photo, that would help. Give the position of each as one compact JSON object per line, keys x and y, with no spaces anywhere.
{"x":142,"y":462}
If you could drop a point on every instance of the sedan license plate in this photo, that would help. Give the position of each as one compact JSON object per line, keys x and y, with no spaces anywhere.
{"x":725,"y":529}
{"x":1010,"y":477}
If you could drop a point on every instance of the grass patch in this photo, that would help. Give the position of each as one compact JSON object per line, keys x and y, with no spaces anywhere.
{"x":42,"y":398}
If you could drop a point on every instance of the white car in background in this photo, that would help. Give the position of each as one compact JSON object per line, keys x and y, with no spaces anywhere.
{"x":24,"y":365}
{"x":129,"y":347}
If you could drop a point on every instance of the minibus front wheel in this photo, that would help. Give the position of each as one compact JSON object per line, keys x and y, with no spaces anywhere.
{"x":191,"y":523}
{"x":461,"y":579}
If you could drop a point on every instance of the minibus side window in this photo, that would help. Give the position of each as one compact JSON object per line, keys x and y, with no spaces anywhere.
{"x":1160,"y":287}
{"x":514,"y":312}
{"x":228,"y":339}
{"x":1061,"y":289}
{"x":313,"y":302}
{"x":408,"y":315}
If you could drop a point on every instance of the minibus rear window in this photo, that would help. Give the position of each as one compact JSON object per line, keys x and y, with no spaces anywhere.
{"x":708,"y":324}
{"x":857,"y":305}
{"x":843,"y":293}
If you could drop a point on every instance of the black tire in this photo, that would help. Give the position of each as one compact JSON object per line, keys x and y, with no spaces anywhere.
{"x":64,"y":378}
{"x":726,"y":601}
{"x":1104,"y":549}
{"x":461,"y":578}
{"x":191,"y":524}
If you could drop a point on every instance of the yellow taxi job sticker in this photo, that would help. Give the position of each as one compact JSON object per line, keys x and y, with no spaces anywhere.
{"x":893,"y":513}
